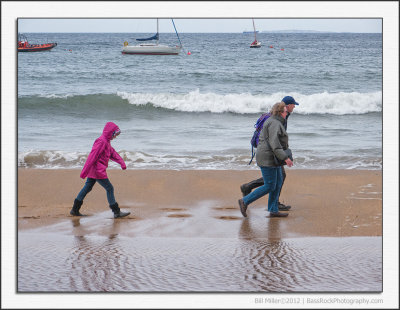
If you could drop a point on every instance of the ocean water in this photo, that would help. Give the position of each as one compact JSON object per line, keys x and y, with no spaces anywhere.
{"x":197,"y":111}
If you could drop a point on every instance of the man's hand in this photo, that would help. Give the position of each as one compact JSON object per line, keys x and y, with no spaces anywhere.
{"x":288,"y":162}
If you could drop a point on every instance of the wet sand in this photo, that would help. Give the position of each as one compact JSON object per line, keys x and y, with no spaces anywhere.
{"x":89,"y":263}
{"x":186,"y":233}
{"x":333,"y":203}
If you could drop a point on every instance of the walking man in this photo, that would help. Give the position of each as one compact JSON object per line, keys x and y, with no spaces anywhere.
{"x":248,"y":187}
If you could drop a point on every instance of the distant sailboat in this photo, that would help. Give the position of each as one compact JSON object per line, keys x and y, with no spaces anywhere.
{"x":255,"y":43}
{"x":150,"y":48}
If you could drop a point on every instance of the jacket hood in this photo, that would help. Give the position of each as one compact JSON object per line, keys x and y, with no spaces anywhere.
{"x":109,"y":129}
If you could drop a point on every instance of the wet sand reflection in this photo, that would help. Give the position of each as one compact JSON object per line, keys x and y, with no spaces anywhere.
{"x":97,"y":266}
{"x":213,"y":250}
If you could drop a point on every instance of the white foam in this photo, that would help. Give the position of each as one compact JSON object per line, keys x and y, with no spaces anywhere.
{"x":140,"y":160}
{"x":321,"y":103}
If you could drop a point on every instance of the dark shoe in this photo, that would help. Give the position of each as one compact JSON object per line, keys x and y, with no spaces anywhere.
{"x":245,"y":191}
{"x":75,"y":208}
{"x":242,"y":207}
{"x":117,"y":211}
{"x":278,"y":214}
{"x":121,"y":214}
{"x":283,"y":207}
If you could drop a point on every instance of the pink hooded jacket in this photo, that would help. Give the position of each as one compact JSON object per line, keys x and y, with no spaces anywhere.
{"x":102,"y":151}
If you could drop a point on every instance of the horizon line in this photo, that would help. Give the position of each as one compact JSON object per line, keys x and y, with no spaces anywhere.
{"x":268,"y":31}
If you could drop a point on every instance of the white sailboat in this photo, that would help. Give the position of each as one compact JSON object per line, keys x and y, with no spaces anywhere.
{"x":255,"y":43}
{"x":150,"y":48}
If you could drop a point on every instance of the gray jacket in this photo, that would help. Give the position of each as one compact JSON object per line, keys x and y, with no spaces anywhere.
{"x":274,"y":131}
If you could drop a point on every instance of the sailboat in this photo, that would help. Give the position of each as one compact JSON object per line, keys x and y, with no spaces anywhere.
{"x":151,"y":48}
{"x":255,"y":43}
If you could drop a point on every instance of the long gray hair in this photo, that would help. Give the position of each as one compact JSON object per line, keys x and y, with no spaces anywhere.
{"x":278,"y":108}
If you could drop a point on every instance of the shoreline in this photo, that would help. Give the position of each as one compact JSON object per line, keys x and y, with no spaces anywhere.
{"x":171,"y":203}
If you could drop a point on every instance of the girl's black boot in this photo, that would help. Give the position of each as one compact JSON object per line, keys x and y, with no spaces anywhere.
{"x":75,"y":208}
{"x":117,"y":211}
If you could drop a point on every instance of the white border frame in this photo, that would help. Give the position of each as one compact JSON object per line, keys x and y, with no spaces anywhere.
{"x":388,"y":10}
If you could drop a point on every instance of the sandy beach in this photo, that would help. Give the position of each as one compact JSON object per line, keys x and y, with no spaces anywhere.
{"x":185,"y":232}
{"x":324,"y":202}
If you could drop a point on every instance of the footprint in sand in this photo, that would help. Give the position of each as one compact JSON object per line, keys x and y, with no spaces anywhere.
{"x":172,"y":209}
{"x":178,"y":215}
{"x":225,"y":208}
{"x":229,"y":218}
{"x":128,"y":217}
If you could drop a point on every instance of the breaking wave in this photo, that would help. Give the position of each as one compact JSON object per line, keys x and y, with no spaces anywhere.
{"x":340,"y":103}
{"x":233,"y":159}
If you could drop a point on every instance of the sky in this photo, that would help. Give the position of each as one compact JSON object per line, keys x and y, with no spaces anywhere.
{"x":198,"y":16}
{"x":198,"y":25}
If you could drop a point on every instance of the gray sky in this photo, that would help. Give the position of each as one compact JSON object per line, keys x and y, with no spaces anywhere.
{"x":370,"y":25}
{"x":197,"y":16}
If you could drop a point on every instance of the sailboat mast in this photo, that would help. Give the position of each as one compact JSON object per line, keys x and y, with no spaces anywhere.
{"x":157,"y":32}
{"x":255,"y":38}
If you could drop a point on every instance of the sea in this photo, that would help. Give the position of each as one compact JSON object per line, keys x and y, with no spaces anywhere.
{"x":197,"y":110}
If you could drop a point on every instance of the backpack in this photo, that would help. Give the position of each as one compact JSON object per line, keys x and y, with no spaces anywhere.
{"x":256,"y":135}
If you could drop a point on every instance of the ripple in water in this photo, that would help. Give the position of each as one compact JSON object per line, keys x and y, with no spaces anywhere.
{"x":48,"y":263}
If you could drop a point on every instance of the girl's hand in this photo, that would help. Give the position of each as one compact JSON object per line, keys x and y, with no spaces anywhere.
{"x":123,"y":167}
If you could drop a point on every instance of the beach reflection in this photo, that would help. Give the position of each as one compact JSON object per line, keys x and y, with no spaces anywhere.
{"x":95,"y":255}
{"x":76,"y":221}
{"x":78,"y":229}
{"x":82,"y":226}
{"x":270,"y":229}
{"x":267,"y":256}
{"x":95,"y":263}
{"x":154,"y":264}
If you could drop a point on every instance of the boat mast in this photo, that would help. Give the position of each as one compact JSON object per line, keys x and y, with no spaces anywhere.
{"x":157,"y":32}
{"x":255,"y":38}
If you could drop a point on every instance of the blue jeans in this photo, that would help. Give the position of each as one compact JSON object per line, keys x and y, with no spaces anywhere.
{"x":103,"y":182}
{"x":273,"y":180}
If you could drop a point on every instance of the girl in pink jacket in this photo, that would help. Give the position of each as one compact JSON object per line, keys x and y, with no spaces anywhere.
{"x":95,"y":170}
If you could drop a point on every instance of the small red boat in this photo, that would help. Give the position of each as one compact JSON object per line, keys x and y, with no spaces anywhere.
{"x":25,"y":46}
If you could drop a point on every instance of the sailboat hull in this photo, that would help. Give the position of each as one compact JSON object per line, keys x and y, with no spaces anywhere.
{"x":149,"y":49}
{"x":255,"y":44}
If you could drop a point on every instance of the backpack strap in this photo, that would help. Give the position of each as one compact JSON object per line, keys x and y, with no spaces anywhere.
{"x":258,"y":126}
{"x":252,"y":154}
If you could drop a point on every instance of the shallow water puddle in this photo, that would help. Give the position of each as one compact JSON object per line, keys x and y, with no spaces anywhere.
{"x":64,"y":263}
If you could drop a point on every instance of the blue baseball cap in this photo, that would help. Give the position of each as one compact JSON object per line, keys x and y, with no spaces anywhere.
{"x":289,"y":100}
